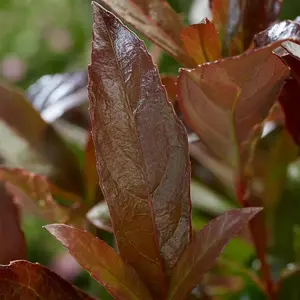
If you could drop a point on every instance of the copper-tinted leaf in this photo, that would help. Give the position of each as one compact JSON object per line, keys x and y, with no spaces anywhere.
{"x":156,"y":20}
{"x":206,"y":246}
{"x":289,"y":98}
{"x":169,"y":81}
{"x":27,"y":281}
{"x":99,"y":216}
{"x":220,"y":15}
{"x":225,"y":117}
{"x":104,"y":264}
{"x":201,"y":42}
{"x":18,"y":113}
{"x":279,"y":32}
{"x":90,"y":172}
{"x":141,"y":150}
{"x":36,"y":188}
{"x":12,"y":240}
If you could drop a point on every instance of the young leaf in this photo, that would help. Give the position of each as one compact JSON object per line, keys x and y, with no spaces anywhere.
{"x":156,"y":20}
{"x":36,"y":188}
{"x":16,"y":111}
{"x":206,"y":246}
{"x":169,"y":82}
{"x":248,"y":86}
{"x":201,"y":42}
{"x":104,"y":264}
{"x":141,"y":150}
{"x":27,"y":281}
{"x":13,"y":244}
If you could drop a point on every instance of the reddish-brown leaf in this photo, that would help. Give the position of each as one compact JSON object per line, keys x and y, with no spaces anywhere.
{"x":27,"y":281}
{"x":104,"y":264}
{"x":228,"y":117}
{"x":156,"y":20}
{"x":220,"y":15}
{"x":34,"y":193}
{"x":90,"y":173}
{"x":141,"y":150}
{"x":19,"y":114}
{"x":289,"y":98}
{"x":206,"y":246}
{"x":257,"y":16}
{"x":169,"y":81}
{"x":201,"y":42}
{"x":12,"y":240}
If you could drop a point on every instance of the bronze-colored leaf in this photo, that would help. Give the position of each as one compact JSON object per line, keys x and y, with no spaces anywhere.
{"x":201,"y":42}
{"x":27,"y":281}
{"x":141,"y":150}
{"x":169,"y":81}
{"x":18,"y":113}
{"x":12,"y":240}
{"x":227,"y":118}
{"x":156,"y":20}
{"x":205,"y":248}
{"x":35,"y":188}
{"x":104,"y":264}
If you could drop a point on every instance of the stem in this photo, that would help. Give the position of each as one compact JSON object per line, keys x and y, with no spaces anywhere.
{"x":258,"y":233}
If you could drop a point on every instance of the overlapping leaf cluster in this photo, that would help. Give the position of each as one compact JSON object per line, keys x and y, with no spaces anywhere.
{"x":142,"y":151}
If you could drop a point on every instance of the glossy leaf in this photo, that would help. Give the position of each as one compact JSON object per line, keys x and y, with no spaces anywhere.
{"x":229,"y":117}
{"x":201,"y":42}
{"x":34,"y":188}
{"x":104,"y":264}
{"x":156,"y":20}
{"x":289,"y":98}
{"x":27,"y":281}
{"x":141,"y":150}
{"x":206,"y":246}
{"x":257,"y":16}
{"x":99,"y":216}
{"x":15,"y":111}
{"x":279,"y":32}
{"x":13,"y":244}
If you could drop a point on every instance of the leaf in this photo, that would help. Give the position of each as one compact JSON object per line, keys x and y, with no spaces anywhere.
{"x":15,"y":111}
{"x":90,"y":172}
{"x":141,"y":150}
{"x":57,"y":95}
{"x":228,"y":118}
{"x":206,"y":246}
{"x":257,"y":16}
{"x":99,"y":216}
{"x":169,"y":81}
{"x":104,"y":264}
{"x":24,"y":280}
{"x":13,"y":244}
{"x":201,"y":42}
{"x":279,"y":32}
{"x":289,"y":98}
{"x":156,"y":20}
{"x":37,"y":189}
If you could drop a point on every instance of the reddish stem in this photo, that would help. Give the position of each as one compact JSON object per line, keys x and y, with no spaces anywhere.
{"x":258,"y":233}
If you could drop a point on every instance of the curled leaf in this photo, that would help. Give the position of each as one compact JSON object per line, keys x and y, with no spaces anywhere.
{"x":104,"y":264}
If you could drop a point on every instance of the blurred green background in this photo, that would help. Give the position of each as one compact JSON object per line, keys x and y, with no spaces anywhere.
{"x":41,"y":37}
